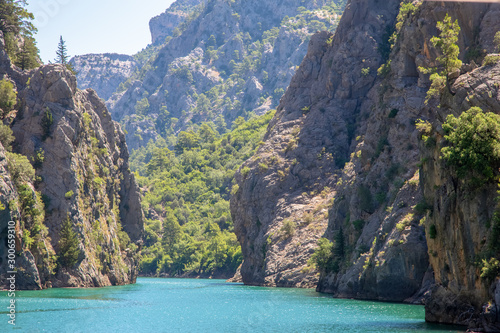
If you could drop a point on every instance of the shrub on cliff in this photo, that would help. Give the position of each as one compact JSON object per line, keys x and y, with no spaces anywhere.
{"x":474,"y":149}
{"x":68,"y":245}
{"x":8,"y":96}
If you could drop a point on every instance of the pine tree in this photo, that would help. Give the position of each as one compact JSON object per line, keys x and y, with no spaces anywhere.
{"x":62,"y":56}
{"x":27,"y":57}
{"x":68,"y":245}
{"x":15,"y":23}
{"x":62,"y":52}
{"x":447,"y":44}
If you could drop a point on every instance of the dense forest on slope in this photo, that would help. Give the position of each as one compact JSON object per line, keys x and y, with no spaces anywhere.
{"x":186,"y":196}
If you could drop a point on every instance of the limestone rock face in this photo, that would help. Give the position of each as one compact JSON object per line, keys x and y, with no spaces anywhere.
{"x":84,"y":174}
{"x":344,"y":140}
{"x":81,"y":174}
{"x":103,"y":72}
{"x":163,"y":25}
{"x":462,"y":217}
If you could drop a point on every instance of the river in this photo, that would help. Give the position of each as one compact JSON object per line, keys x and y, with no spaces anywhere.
{"x":183,"y":305}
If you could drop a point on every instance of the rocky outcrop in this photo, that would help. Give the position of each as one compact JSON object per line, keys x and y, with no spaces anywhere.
{"x":344,"y":133}
{"x":81,"y":174}
{"x":103,"y":72}
{"x":163,"y":25}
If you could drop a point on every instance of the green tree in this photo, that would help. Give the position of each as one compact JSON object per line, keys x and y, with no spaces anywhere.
{"x":15,"y":23}
{"x":62,"y":52}
{"x":8,"y":96}
{"x":447,"y":44}
{"x":496,"y":41}
{"x":47,"y":121}
{"x":27,"y":57}
{"x":474,"y":149}
{"x":6,"y":137}
{"x":323,"y":256}
{"x":62,"y":56}
{"x":187,"y":140}
{"x":68,"y":245}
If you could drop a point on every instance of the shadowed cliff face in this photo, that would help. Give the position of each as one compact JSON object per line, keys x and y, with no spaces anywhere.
{"x":81,"y":162}
{"x":344,"y":139}
{"x":305,"y":148}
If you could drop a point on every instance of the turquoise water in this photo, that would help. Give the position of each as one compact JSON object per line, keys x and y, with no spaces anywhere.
{"x":181,"y":305}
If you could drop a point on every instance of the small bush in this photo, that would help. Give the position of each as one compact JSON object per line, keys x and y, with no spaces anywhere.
{"x":358,"y":225}
{"x":69,"y":195}
{"x":6,"y":137}
{"x":47,"y":121}
{"x":405,"y":222}
{"x":365,"y":198}
{"x":432,"y":232}
{"x":491,"y":59}
{"x":288,"y":228}
{"x":20,"y":169}
{"x":393,"y":113}
{"x":245,"y":171}
{"x":263,"y":167}
{"x":124,"y":239}
{"x":39,"y":158}
{"x":8,"y":96}
{"x":490,"y":269}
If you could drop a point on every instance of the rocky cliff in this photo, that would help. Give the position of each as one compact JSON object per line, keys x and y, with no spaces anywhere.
{"x":163,"y":25}
{"x":69,"y":163}
{"x":103,"y":72}
{"x":343,"y":159}
{"x":228,"y":59}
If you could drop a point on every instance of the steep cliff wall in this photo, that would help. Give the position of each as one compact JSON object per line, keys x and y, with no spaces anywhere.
{"x":80,"y":173}
{"x":103,"y":72}
{"x":163,"y":25}
{"x":343,"y":132}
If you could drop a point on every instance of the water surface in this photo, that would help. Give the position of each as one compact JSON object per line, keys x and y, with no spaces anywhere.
{"x":182,"y":305}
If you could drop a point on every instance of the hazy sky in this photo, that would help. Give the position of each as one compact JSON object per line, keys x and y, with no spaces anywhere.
{"x":94,"y":26}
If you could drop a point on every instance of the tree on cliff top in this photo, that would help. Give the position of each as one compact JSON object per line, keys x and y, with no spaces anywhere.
{"x":62,"y":56}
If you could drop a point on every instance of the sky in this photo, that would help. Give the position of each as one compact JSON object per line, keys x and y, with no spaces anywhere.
{"x":94,"y":26}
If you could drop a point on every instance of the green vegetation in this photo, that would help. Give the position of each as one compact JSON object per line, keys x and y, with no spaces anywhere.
{"x":6,"y":137}
{"x":20,"y":169}
{"x":474,"y":149}
{"x":8,"y":97}
{"x":432,"y":231}
{"x":62,"y":56}
{"x":490,"y":269}
{"x":496,"y":41}
{"x":328,"y":255}
{"x":491,"y":59}
{"x":189,"y":229}
{"x":68,"y":245}
{"x":287,"y":230}
{"x":47,"y":121}
{"x":447,"y":44}
{"x":15,"y":23}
